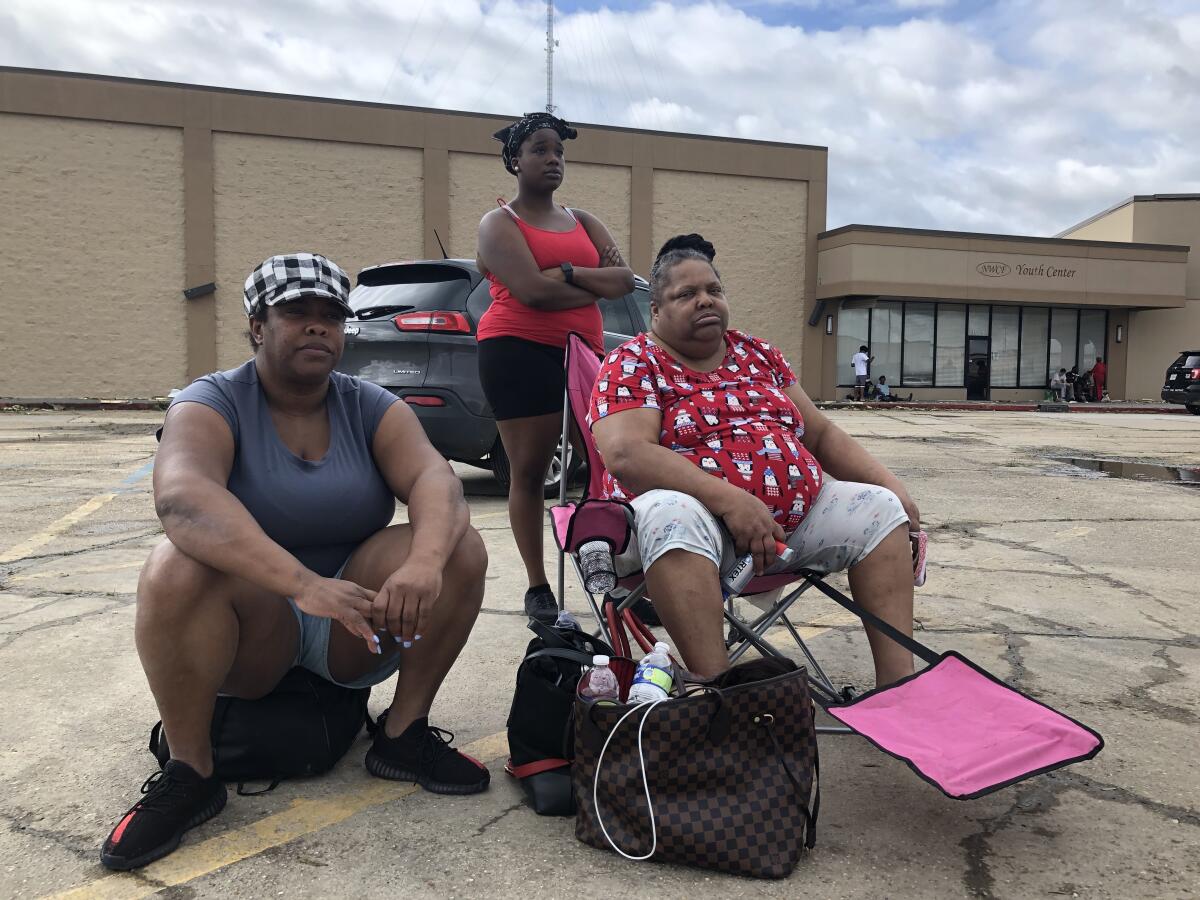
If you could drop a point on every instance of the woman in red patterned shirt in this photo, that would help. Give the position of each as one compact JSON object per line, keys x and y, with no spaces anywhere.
{"x":701,"y":426}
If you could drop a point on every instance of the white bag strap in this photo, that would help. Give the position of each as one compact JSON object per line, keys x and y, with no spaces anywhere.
{"x":645,"y":781}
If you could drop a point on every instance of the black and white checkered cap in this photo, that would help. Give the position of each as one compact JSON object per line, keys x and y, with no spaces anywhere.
{"x":281,"y":279}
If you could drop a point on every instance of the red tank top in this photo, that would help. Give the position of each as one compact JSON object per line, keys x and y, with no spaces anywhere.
{"x":509,"y":317}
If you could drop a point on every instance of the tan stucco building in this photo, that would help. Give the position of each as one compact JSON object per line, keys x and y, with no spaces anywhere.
{"x":131,"y":211}
{"x":118,"y":195}
{"x":958,"y":316}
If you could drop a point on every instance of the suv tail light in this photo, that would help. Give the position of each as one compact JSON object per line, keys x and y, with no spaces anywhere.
{"x":1195,"y":374}
{"x":423,"y":400}
{"x":445,"y":322}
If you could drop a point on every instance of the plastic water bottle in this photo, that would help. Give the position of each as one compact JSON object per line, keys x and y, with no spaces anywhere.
{"x":654,"y":676}
{"x":733,"y":581}
{"x":596,"y":564}
{"x":600,"y":682}
{"x":566,"y":620}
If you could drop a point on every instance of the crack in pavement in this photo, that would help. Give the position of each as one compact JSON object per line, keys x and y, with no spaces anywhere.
{"x":1016,"y":660}
{"x":971,"y":531}
{"x":1099,"y":790}
{"x":496,"y":818}
{"x":8,"y":639}
{"x":21,"y":822}
{"x":1187,"y":641}
{"x":978,"y":878}
{"x":1039,"y":797}
{"x":1139,"y":695}
{"x":81,"y":550}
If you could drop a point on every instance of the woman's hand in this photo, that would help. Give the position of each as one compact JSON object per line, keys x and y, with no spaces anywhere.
{"x":752,"y":526}
{"x":345,"y":601}
{"x":403,"y":604}
{"x":555,"y":273}
{"x":914,"y":514}
{"x":610,"y":257}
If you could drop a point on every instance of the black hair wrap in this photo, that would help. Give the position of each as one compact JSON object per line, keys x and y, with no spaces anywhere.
{"x":514,"y":135}
{"x":689,"y":242}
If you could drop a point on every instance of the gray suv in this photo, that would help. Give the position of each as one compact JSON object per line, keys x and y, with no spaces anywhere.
{"x":414,"y":333}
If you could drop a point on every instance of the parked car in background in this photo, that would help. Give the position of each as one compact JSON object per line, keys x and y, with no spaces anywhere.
{"x":1182,"y":382}
{"x":413,"y":333}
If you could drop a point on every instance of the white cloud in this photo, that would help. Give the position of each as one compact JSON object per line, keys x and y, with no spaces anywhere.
{"x":1024,"y":117}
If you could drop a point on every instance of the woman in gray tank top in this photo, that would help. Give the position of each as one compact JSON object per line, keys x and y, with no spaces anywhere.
{"x":276,"y":483}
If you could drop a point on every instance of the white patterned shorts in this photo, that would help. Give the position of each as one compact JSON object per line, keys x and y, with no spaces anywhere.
{"x":844,"y":524}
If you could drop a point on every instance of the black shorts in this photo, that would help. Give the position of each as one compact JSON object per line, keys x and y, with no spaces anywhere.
{"x":521,"y":378}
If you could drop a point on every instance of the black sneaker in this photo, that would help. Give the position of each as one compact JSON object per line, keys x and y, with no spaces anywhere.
{"x":541,"y":605}
{"x":177,"y":798}
{"x":423,"y":754}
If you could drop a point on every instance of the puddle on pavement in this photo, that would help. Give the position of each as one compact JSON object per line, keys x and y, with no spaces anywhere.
{"x":1080,"y":467}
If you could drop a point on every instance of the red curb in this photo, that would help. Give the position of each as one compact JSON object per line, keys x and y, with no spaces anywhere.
{"x":1003,"y":407}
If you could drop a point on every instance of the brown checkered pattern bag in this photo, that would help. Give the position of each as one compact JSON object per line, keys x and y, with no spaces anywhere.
{"x":729,"y":771}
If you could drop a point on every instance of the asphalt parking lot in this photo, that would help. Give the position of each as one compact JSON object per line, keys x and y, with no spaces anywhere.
{"x":1076,"y":587}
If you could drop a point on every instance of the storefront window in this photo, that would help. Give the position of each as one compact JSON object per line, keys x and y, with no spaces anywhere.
{"x":1005,"y":329}
{"x":977,"y":321}
{"x":918,"y":344}
{"x":1028,"y":343}
{"x":1035,"y":330}
{"x":951,"y":324}
{"x":1093,"y":327}
{"x":1062,"y":338}
{"x":853,"y":327}
{"x":886,"y":325}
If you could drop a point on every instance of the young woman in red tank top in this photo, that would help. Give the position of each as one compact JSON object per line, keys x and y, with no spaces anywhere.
{"x":548,"y":266}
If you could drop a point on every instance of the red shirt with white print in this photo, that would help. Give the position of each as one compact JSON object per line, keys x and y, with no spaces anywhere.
{"x":734,"y":422}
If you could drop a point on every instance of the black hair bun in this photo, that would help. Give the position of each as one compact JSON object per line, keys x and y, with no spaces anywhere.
{"x":689,"y":242}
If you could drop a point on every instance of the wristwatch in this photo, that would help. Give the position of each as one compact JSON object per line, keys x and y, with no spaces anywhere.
{"x":568,"y":273}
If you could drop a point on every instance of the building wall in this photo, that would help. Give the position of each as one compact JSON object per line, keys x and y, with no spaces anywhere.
{"x":759,"y":228}
{"x":477,"y":180}
{"x":128,"y":192}
{"x":92,"y":235}
{"x":864,"y":264}
{"x":1156,"y":336}
{"x":1113,"y":226}
{"x":355,"y":203}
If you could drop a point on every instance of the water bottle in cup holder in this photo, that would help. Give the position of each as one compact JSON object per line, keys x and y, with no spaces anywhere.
{"x":598,"y":567}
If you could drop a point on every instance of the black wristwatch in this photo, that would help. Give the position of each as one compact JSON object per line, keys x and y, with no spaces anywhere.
{"x":568,"y":273}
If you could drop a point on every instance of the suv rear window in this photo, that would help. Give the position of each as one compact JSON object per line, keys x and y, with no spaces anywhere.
{"x":1189,"y":360}
{"x":402,"y":288}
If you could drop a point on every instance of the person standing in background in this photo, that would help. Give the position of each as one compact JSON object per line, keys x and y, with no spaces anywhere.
{"x":1099,"y":377}
{"x":548,"y":266}
{"x":862,"y":370}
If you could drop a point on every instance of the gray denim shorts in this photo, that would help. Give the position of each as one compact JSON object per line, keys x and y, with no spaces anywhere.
{"x":313,"y":653}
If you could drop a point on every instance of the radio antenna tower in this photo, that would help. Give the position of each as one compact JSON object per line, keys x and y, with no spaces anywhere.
{"x":551,"y":43}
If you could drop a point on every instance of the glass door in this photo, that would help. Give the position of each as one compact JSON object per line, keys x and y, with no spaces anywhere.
{"x":979,"y":374}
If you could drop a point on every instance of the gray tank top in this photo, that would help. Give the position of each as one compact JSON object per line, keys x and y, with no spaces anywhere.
{"x":317,"y":510}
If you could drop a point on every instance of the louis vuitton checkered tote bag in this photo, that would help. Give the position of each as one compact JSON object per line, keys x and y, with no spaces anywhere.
{"x":723,"y":778}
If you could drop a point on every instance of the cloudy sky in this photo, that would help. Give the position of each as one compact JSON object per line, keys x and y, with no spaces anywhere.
{"x":1017,"y":117}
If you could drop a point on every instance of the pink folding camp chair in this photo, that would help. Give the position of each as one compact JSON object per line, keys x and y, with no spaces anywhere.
{"x":953,"y":723}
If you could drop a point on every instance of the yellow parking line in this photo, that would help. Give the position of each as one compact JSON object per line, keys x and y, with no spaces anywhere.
{"x":42,"y":538}
{"x":303,"y":817}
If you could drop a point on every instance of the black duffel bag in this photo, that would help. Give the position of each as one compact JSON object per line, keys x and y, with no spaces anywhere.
{"x":303,"y":727}
{"x":541,"y":733}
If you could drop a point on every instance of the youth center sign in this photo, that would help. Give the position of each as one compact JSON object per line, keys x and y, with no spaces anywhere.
{"x":997,"y":269}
